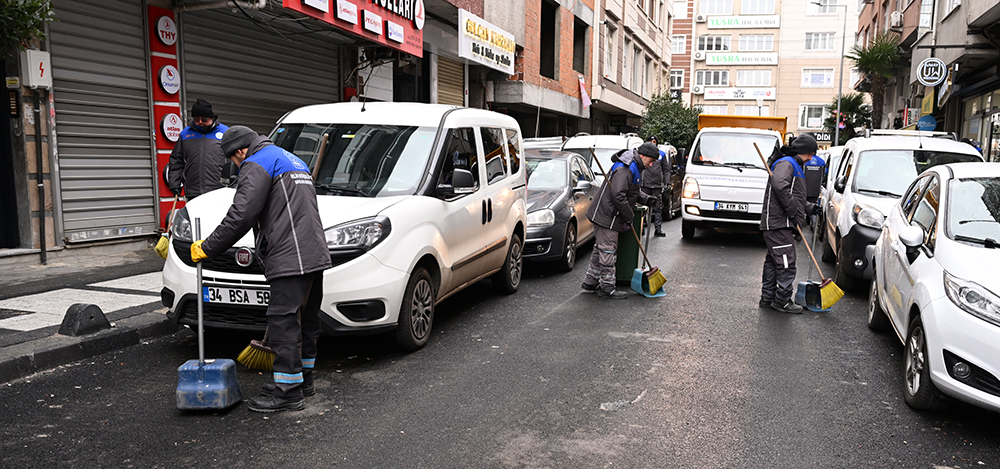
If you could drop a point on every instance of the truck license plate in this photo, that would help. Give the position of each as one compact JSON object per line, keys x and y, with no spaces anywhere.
{"x":730,"y":207}
{"x":236,"y":296}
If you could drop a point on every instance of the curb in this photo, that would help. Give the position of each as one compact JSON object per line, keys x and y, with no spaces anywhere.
{"x":31,"y":357}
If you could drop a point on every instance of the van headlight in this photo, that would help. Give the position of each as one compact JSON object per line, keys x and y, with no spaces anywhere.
{"x":691,"y":189}
{"x":868,"y":216}
{"x":973,"y":298}
{"x":544,"y":217}
{"x":182,"y":230}
{"x":364,"y":234}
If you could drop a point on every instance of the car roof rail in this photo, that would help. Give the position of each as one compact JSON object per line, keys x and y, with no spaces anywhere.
{"x":911,"y":133}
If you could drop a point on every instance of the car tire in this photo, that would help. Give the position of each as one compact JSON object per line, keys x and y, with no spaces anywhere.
{"x":877,"y":319}
{"x":828,"y":254}
{"x":668,"y":208}
{"x":416,"y":313}
{"x":840,"y":277}
{"x":687,"y":229}
{"x":568,"y":259}
{"x":509,"y":278}
{"x":918,"y":390}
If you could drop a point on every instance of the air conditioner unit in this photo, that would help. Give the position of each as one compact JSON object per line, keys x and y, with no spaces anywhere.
{"x":896,"y":19}
{"x":699,"y":55}
{"x":700,"y":19}
{"x":698,"y":90}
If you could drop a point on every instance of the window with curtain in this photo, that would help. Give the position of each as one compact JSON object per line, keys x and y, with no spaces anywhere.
{"x":756,"y":42}
{"x":712,"y":77}
{"x":716,"y":7}
{"x":678,"y":44}
{"x":676,"y":79}
{"x":753,"y":78}
{"x":757,"y":7}
{"x":819,"y":41}
{"x":715,"y":43}
{"x":817,"y":78}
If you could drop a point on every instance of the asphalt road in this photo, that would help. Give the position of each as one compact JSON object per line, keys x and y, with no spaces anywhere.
{"x":547,"y":377}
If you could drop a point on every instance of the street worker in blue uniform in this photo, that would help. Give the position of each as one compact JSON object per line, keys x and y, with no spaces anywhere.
{"x":275,"y":196}
{"x":653,"y":180}
{"x":815,"y":170}
{"x":196,"y":163}
{"x":612,"y":213}
{"x":784,"y":208}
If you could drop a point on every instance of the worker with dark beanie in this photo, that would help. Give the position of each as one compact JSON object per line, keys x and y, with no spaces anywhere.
{"x":276,"y":198}
{"x":196,"y":163}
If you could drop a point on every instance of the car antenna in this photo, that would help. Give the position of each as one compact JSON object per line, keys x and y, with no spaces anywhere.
{"x":920,"y":141}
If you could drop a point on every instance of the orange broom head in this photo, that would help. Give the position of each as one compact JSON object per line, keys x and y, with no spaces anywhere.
{"x":257,"y":355}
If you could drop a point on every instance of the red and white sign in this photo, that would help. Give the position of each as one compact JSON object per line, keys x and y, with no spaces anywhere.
{"x":394,"y":32}
{"x":408,"y":14}
{"x":171,"y":126}
{"x":166,"y":30}
{"x":170,"y":79}
{"x":321,"y":5}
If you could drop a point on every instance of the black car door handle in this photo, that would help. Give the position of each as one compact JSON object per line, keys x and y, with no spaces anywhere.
{"x":489,"y":210}
{"x":484,"y":212}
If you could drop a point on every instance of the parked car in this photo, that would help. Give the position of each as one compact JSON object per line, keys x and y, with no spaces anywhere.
{"x":561,"y":188}
{"x":418,"y":202}
{"x":543,"y":143}
{"x":675,"y":183}
{"x":935,"y":283}
{"x":604,"y":146}
{"x":832,"y":157}
{"x":871,"y":177}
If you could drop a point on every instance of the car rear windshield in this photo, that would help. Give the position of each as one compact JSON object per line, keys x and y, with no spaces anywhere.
{"x":546,"y":174}
{"x":359,"y":159}
{"x":732,"y":149}
{"x":889,"y":172}
{"x":974,"y":210}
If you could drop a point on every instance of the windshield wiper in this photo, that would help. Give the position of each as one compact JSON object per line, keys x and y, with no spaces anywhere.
{"x":342,"y":190}
{"x":728,"y":165}
{"x":745,"y":165}
{"x":988,"y":243}
{"x":880,"y":192}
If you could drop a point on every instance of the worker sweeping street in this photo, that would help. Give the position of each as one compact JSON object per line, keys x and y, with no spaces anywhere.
{"x":611,"y":213}
{"x":276,"y":197}
{"x":784,"y":209}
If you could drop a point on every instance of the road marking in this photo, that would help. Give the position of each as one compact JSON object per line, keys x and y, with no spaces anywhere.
{"x":151,"y":282}
{"x":49,"y":308}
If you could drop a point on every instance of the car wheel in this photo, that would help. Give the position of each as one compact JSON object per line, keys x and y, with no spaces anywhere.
{"x":828,"y":254}
{"x":416,"y":314}
{"x":568,"y":260}
{"x":669,"y":208}
{"x":918,"y":390}
{"x":687,"y":229}
{"x":509,"y":278}
{"x":840,"y":277}
{"x":877,"y":319}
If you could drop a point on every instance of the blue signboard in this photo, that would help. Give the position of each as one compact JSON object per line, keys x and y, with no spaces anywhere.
{"x":927,"y":123}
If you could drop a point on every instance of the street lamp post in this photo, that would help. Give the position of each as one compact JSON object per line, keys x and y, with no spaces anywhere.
{"x":840,"y":81}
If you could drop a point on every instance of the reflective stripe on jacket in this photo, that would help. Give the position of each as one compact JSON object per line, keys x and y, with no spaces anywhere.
{"x":785,"y":195}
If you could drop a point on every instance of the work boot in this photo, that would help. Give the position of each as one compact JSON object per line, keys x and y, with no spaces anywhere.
{"x":589,"y":286}
{"x":613,"y":294}
{"x":307,"y":389}
{"x":787,"y":307}
{"x":765,"y":302}
{"x":270,"y":403}
{"x":659,"y":234}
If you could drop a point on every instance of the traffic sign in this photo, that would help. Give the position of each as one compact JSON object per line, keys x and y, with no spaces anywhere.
{"x":931,"y":71}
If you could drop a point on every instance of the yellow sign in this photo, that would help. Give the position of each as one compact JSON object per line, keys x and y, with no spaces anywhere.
{"x":927,"y":104}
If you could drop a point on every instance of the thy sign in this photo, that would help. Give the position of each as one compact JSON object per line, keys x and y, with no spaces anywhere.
{"x":931,"y":72}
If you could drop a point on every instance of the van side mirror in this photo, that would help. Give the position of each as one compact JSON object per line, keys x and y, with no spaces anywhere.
{"x":840,"y":184}
{"x":461,"y":183}
{"x":912,"y":237}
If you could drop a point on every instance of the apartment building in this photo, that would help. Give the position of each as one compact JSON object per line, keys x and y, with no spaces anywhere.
{"x":770,"y":58}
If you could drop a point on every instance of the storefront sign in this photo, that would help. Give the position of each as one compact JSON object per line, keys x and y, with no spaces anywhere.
{"x":744,"y":22}
{"x":484,"y":43}
{"x":741,"y":58}
{"x":166,"y":30}
{"x":947,"y":86}
{"x":931,"y":72}
{"x":171,"y":126}
{"x":369,"y":20}
{"x":170,"y":79}
{"x":823,"y":136}
{"x":927,"y":104}
{"x":927,"y":123}
{"x":740,"y":93}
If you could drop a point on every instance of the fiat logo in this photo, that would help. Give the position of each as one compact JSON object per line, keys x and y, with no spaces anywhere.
{"x":244,"y":256}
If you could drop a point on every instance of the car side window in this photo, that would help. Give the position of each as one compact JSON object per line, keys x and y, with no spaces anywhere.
{"x":460,"y":153}
{"x":925,"y":213}
{"x":493,"y":151}
{"x":912,"y":195}
{"x":846,"y":166}
{"x":576,"y":171}
{"x":513,"y":151}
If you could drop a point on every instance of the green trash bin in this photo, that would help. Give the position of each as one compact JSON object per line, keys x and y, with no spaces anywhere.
{"x":629,"y":255}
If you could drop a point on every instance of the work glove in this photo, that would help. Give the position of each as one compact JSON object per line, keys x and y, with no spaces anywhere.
{"x":817,"y":209}
{"x":197,"y":253}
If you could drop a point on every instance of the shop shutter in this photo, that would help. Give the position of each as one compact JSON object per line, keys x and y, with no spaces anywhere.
{"x":451,"y":81}
{"x":251,"y":74}
{"x":102,"y":102}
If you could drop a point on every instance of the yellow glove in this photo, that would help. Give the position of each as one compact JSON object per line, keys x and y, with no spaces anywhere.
{"x":197,"y":253}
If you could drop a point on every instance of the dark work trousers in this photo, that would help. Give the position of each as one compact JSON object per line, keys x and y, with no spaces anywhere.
{"x":779,"y":266}
{"x":657,"y":207}
{"x":602,"y":260}
{"x":292,"y":330}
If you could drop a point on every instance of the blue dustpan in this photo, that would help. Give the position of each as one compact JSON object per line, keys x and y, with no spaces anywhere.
{"x":808,"y":295}
{"x":206,"y":384}
{"x":641,"y":286}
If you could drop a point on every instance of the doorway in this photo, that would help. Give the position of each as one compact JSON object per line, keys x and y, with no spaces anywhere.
{"x":9,"y":235}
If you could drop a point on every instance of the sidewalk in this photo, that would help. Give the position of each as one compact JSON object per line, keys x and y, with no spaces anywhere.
{"x":34,"y":299}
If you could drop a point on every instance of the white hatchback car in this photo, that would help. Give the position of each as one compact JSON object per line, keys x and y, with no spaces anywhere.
{"x":418,"y":202}
{"x":935,"y":285}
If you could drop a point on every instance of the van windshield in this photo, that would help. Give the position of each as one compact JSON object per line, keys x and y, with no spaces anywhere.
{"x":360,"y":160}
{"x":889,"y":172}
{"x":736,"y":149}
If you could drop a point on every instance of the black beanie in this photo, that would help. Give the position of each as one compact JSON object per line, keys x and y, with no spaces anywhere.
{"x":650,"y":150}
{"x":202,"y":108}
{"x":237,"y":137}
{"x":804,"y":144}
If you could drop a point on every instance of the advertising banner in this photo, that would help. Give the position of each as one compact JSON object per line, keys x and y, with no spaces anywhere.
{"x":397,"y":24}
{"x":484,"y":43}
{"x":744,"y":22}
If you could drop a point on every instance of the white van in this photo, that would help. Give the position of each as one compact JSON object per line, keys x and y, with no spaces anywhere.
{"x":725,"y":178}
{"x":604,"y":147}
{"x":418,"y":201}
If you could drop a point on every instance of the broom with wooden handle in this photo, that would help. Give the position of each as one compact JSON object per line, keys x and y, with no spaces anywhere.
{"x":258,"y":355}
{"x":163,"y":244}
{"x":830,"y":293}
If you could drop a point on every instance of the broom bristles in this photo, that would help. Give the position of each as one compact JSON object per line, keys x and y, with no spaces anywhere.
{"x":257,"y":356}
{"x":656,"y":279}
{"x":830,"y":294}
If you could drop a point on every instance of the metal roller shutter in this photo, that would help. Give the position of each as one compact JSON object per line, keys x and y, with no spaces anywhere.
{"x":250,"y":74}
{"x":100,"y":82}
{"x":451,"y":81}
